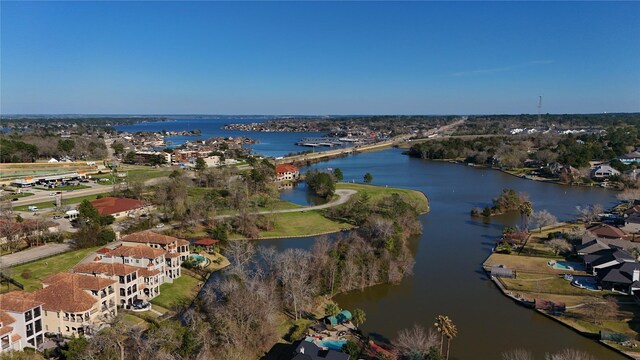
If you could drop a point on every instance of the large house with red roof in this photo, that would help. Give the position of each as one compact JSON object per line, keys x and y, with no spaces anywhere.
{"x":287,"y":172}
{"x":21,"y":323}
{"x":119,"y":207}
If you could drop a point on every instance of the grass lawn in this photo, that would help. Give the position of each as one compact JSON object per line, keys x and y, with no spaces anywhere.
{"x":13,"y":196}
{"x":183,"y":290}
{"x":527,"y":264}
{"x":416,"y":198}
{"x":301,"y":224}
{"x":141,"y":173}
{"x":52,"y":203}
{"x":65,"y":188}
{"x":543,"y":283}
{"x":42,"y":268}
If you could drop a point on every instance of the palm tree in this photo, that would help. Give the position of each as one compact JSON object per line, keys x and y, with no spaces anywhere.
{"x":331,"y":309}
{"x":526,"y":209}
{"x":447,"y":329}
{"x":359,"y":317}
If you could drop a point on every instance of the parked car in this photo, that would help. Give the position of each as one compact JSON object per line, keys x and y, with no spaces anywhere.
{"x":159,"y":226}
{"x":15,"y":199}
{"x":56,"y":217}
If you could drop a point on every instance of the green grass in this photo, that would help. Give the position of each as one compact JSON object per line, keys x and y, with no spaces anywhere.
{"x":65,"y":188}
{"x":42,"y":268}
{"x":416,"y":198}
{"x":13,"y":196}
{"x":303,"y":224}
{"x":52,"y":203}
{"x":183,"y":290}
{"x":136,"y":174}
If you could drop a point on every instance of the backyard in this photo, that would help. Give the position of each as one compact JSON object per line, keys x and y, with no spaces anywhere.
{"x":181,"y":292}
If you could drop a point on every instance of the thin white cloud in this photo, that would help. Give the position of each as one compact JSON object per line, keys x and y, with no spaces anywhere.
{"x":502,"y":69}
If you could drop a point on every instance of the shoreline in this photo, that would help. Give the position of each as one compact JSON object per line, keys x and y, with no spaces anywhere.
{"x":506,"y":293}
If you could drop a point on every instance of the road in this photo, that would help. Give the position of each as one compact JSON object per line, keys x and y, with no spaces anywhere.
{"x":33,"y":254}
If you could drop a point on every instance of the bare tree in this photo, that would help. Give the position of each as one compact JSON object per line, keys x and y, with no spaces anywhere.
{"x":589,"y":214}
{"x":629,"y":195}
{"x":570,"y":354}
{"x":240,"y":254}
{"x":600,"y":309}
{"x":517,"y":354}
{"x":559,"y":245}
{"x":295,"y":275}
{"x":542,"y":218}
{"x":416,"y":342}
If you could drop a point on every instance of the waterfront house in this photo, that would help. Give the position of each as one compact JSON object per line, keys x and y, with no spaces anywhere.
{"x":605,"y":258}
{"x":631,"y":157}
{"x":287,"y":172}
{"x":155,"y":240}
{"x":133,"y":284}
{"x":160,"y":269}
{"x":208,"y":244}
{"x":624,"y":277}
{"x":119,"y":207}
{"x":606,"y":231}
{"x":602,"y":172}
{"x":21,"y":323}
{"x":307,"y":350}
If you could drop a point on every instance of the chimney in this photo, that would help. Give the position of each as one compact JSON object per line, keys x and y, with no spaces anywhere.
{"x":636,"y":274}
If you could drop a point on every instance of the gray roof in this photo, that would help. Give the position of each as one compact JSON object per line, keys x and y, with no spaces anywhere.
{"x":619,"y":274}
{"x":607,"y":255}
{"x":309,"y":351}
{"x":591,"y":247}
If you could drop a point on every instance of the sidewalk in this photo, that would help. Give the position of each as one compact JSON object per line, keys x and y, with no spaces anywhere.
{"x":33,"y":254}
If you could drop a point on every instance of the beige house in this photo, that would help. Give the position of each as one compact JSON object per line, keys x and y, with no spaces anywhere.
{"x":155,"y":240}
{"x":149,"y":259}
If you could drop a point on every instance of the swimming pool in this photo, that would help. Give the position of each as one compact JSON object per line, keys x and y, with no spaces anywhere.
{"x":585,"y":282}
{"x":198,"y":258}
{"x":328,"y":343}
{"x":565,"y":265}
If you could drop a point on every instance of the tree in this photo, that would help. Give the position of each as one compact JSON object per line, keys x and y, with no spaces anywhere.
{"x":337,"y":173}
{"x":447,"y":329}
{"x":295,"y":276}
{"x":570,"y":354}
{"x":66,"y":145}
{"x":321,"y":183}
{"x":542,"y":218}
{"x":200,"y":164}
{"x":559,"y":245}
{"x":331,"y":309}
{"x":368,"y":178}
{"x":517,"y":354}
{"x":416,"y":343}
{"x":600,"y":309}
{"x":118,"y":148}
{"x":525,"y":210}
{"x":589,"y":214}
{"x":130,"y":158}
{"x":359,"y":317}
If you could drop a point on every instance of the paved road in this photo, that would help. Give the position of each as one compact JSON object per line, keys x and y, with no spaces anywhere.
{"x":33,"y":254}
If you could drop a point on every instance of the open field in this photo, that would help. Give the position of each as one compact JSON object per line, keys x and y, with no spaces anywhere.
{"x":181,"y":291}
{"x":543,"y":283}
{"x":42,"y":268}
{"x":527,"y":264}
{"x":416,"y":198}
{"x":9,"y":171}
{"x":138,"y":173}
{"x":65,"y":188}
{"x":303,"y":224}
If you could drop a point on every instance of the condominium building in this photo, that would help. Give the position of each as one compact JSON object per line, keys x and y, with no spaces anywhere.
{"x":20,"y":322}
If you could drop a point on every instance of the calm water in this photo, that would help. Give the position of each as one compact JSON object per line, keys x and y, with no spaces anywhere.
{"x":448,"y":277}
{"x":270,"y":143}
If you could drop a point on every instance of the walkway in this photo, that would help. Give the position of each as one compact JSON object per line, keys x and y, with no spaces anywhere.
{"x":33,"y":254}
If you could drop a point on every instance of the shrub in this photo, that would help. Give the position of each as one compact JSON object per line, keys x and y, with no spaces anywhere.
{"x":297,"y":331}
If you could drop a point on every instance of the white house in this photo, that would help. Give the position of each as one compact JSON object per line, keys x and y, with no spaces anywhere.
{"x":604,"y":172}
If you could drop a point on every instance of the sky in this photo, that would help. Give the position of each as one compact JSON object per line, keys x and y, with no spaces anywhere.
{"x":319,"y":57}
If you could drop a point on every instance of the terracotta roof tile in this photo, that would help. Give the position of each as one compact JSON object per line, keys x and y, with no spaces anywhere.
{"x":5,"y":330}
{"x":206,"y":242}
{"x":171,"y":255}
{"x":147,"y":273}
{"x":111,"y":205}
{"x":62,"y":297}
{"x":105,"y":268}
{"x":138,"y":252}
{"x":607,"y":231}
{"x":150,"y":237}
{"x":183,"y":242}
{"x":284,"y":168}
{"x":6,"y":319}
{"x":17,"y":301}
{"x":80,"y":281}
{"x":15,"y":337}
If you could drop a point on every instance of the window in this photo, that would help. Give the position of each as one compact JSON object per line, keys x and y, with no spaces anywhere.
{"x":121,"y":292}
{"x":36,"y":312}
{"x":121,"y":279}
{"x":28,"y":316}
{"x":38,"y":326}
{"x":29,"y":330}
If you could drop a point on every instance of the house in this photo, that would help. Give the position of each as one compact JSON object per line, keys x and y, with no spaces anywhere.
{"x":602,"y":172}
{"x":15,"y":231}
{"x":119,"y":207}
{"x":605,"y":258}
{"x":145,"y":257}
{"x":21,"y":323}
{"x":76,"y":304}
{"x":605,"y":231}
{"x":623,"y":277}
{"x":153,"y":239}
{"x":631,"y":157}
{"x":564,"y":171}
{"x":307,"y":350}
{"x":286,"y":172}
{"x":207,"y":244}
{"x":133,"y":284}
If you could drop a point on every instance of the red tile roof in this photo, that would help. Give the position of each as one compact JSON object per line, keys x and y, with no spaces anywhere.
{"x":105,"y":268}
{"x":6,"y":319}
{"x":150,"y":237}
{"x":112,"y":205}
{"x":80,"y":281}
{"x":137,"y":252}
{"x":206,"y":242}
{"x":182,"y":242}
{"x":285,"y":168}
{"x":607,"y":231}
{"x":147,"y":273}
{"x":5,"y":330}
{"x":62,"y":297}
{"x":17,"y":301}
{"x":15,"y":337}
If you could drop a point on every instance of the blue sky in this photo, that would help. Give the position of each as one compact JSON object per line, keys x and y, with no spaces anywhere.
{"x":319,"y":58}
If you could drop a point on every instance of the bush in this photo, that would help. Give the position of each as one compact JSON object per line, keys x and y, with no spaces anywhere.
{"x":26,"y":274}
{"x":106,"y":236}
{"x":486,"y":212}
{"x":297,"y":331}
